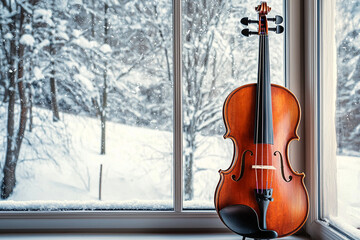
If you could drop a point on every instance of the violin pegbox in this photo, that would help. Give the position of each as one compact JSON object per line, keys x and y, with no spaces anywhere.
{"x":263,"y":9}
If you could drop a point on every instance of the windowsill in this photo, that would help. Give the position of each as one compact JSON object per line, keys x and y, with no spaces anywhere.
{"x":214,"y":236}
{"x":322,"y":230}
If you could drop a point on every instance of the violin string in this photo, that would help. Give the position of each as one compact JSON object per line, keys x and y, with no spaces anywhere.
{"x":257,"y":122}
{"x":271,"y":145}
{"x":262,"y":113}
{"x":267,"y":122}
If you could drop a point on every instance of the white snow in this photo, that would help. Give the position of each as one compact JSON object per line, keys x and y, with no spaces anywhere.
{"x":85,"y":82}
{"x":44,"y":43}
{"x":355,"y":89}
{"x":27,"y":39}
{"x":8,"y":36}
{"x":348,"y":185}
{"x":38,"y":73}
{"x":75,"y":2}
{"x":62,"y":35}
{"x":49,"y":205}
{"x":137,"y":167}
{"x":105,"y":48}
{"x":86,"y":73}
{"x":83,"y":42}
{"x":76,"y":33}
{"x":43,"y":15}
{"x":85,"y":77}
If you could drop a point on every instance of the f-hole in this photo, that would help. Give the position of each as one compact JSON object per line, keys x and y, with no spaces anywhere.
{"x":242,"y":166}
{"x":282,"y":167}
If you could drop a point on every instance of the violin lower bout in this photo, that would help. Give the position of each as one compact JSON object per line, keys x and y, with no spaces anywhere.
{"x":289,"y":209}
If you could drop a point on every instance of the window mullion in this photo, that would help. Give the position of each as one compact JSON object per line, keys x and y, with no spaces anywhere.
{"x":177,"y":67}
{"x":311,"y":108}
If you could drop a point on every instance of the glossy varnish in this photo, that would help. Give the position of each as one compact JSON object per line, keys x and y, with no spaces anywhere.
{"x":289,"y":209}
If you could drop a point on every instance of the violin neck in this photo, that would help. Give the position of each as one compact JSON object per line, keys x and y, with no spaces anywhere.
{"x":263,"y":112}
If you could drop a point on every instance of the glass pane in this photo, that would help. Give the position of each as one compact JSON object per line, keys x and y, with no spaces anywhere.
{"x":97,"y":120}
{"x":216,"y":60}
{"x":348,"y":116}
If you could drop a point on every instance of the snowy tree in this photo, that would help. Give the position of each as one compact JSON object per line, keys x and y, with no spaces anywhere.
{"x":26,"y":48}
{"x":153,"y":27}
{"x":201,"y":91}
{"x":14,"y":17}
{"x":213,"y":65}
{"x":53,"y":36}
{"x":348,"y":80}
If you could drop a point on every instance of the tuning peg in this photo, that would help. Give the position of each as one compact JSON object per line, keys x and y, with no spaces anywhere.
{"x":246,"y":32}
{"x":246,"y":21}
{"x":277,"y":19}
{"x":278,"y":29}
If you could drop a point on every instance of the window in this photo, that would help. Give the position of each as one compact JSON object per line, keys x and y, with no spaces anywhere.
{"x":346,"y":120}
{"x":333,"y":119}
{"x":96,"y":124}
{"x":106,"y":104}
{"x":214,"y":52}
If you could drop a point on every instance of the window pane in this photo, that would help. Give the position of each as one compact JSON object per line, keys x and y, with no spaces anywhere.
{"x":348,"y":116}
{"x":216,"y":60}
{"x":97,"y":87}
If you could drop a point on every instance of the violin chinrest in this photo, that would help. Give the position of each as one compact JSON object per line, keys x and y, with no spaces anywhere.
{"x":244,"y":221}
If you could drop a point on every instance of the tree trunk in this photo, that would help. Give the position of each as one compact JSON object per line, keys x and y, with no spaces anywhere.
{"x":6,"y":95}
{"x":9,"y":179}
{"x":165,"y":49}
{"x":30,"y":105}
{"x":189,"y":163}
{"x":103,"y":116}
{"x":29,"y":85}
{"x":8,"y":182}
{"x":13,"y":147}
{"x":54,"y":104}
{"x":104,"y":92}
{"x":167,"y":63}
{"x":93,"y":20}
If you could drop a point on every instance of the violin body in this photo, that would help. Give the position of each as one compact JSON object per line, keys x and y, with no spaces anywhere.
{"x":288,"y":211}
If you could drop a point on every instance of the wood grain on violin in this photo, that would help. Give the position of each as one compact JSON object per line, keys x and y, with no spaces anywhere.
{"x":288,"y":211}
{"x":260,"y":185}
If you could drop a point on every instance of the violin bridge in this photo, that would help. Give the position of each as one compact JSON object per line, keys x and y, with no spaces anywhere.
{"x":267,"y":167}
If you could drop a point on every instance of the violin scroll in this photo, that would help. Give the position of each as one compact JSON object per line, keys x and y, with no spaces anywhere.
{"x":263,"y":29}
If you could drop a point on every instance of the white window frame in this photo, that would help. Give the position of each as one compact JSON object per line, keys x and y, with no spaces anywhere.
{"x":178,"y":219}
{"x":320,"y":81}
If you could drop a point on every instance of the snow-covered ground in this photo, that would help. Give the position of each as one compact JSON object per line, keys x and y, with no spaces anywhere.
{"x":348,"y":191}
{"x":137,"y":167}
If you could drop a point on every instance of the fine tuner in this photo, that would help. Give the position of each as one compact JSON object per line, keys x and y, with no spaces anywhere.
{"x":277,"y":19}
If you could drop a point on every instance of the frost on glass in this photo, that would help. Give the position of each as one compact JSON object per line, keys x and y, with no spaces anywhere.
{"x":216,"y":60}
{"x":85,"y":84}
{"x":348,"y":116}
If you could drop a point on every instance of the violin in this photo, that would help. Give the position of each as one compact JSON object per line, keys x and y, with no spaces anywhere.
{"x":260,"y":195}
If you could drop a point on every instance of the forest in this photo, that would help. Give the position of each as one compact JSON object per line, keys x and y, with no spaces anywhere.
{"x":88,"y":83}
